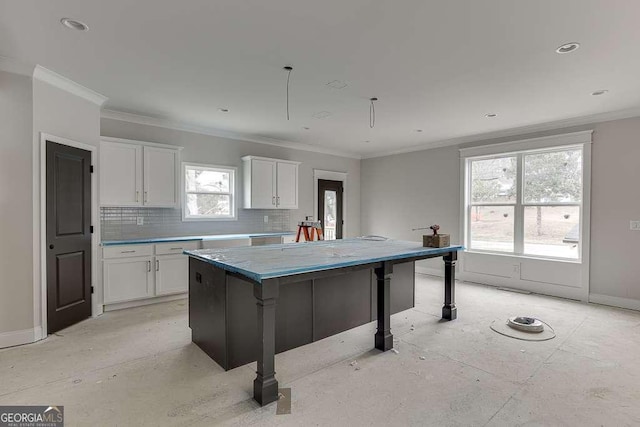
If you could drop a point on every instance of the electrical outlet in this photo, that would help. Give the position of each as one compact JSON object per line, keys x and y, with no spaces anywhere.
{"x":266,"y":219}
{"x":140,"y":220}
{"x":634,"y":225}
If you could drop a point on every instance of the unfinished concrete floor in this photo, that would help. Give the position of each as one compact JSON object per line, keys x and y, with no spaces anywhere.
{"x":138,"y":367}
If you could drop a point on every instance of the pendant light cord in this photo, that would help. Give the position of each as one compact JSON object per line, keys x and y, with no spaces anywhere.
{"x":289,"y":69}
{"x":372,"y":113}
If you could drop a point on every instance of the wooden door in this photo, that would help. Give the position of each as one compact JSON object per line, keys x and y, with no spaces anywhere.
{"x":172,"y":274}
{"x":127,"y":279}
{"x":287,"y":185}
{"x":330,"y":194}
{"x":68,"y":222}
{"x":160,"y":177}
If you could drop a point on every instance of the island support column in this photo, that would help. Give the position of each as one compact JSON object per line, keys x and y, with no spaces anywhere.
{"x":265,"y":386}
{"x":383,"y":337}
{"x":449,"y":310}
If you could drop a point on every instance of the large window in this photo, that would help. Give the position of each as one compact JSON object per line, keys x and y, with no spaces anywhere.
{"x":526,"y":203}
{"x":209,"y":192}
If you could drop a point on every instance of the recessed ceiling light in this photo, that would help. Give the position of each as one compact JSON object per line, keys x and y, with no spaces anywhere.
{"x":321,"y":114}
{"x":491,"y":115}
{"x":337,"y":84}
{"x":568,"y":47}
{"x":223,"y":110}
{"x":418,"y":130}
{"x":367,"y":142}
{"x":305,"y":128}
{"x":599,"y":92}
{"x":74,"y":24}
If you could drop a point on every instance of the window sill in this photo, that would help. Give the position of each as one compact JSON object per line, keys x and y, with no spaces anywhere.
{"x":184,"y":219}
{"x":527,"y":257}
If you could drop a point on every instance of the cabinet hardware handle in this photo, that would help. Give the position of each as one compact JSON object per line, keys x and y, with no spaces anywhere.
{"x":273,"y":200}
{"x":157,"y":265}
{"x":145,"y":197}
{"x":127,"y":252}
{"x":278,"y":201}
{"x":148,"y":266}
{"x":137,"y":195}
{"x":174,"y":249}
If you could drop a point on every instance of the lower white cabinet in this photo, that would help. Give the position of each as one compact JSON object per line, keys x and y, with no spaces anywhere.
{"x":172,"y":274}
{"x":127,"y":279}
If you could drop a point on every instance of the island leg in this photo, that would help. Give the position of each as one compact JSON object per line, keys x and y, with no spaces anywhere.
{"x":383,"y":337}
{"x":265,"y":386}
{"x":449,"y":310}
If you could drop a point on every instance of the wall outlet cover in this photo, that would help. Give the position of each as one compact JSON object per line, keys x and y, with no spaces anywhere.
{"x":634,"y":225}
{"x":266,"y":219}
{"x":140,"y":220}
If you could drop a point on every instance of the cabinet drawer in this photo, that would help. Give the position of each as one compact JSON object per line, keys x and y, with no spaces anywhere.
{"x":172,"y":248}
{"x":229,"y":243}
{"x":125,"y":251}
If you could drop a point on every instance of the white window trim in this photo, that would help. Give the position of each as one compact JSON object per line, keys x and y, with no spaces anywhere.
{"x":233,"y":186}
{"x":577,"y":140}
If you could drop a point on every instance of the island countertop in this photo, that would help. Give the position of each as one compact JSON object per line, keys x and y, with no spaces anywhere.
{"x":264,"y":262}
{"x":148,"y":240}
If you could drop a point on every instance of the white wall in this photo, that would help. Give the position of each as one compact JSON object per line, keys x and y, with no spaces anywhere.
{"x":16,"y":255}
{"x":214,"y":150}
{"x":412,"y":190}
{"x":403,"y":191}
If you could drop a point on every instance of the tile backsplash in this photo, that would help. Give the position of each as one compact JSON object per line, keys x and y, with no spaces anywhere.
{"x":121,"y":223}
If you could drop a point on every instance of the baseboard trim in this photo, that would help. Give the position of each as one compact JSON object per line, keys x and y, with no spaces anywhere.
{"x":430,"y":271}
{"x":25,"y":336}
{"x":142,"y":302}
{"x":628,"y":303}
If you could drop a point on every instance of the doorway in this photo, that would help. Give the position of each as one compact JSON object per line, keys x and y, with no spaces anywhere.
{"x":68,"y":235}
{"x":330,"y":211}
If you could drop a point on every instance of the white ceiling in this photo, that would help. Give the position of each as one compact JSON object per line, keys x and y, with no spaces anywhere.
{"x":439,"y":66}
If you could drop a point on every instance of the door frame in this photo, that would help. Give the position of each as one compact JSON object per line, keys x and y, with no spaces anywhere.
{"x":333,"y":176}
{"x":40,"y":283}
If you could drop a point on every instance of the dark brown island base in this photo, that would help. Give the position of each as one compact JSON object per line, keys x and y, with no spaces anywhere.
{"x":247,"y":304}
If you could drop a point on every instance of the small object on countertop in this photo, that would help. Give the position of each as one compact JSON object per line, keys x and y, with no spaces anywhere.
{"x":436,"y":240}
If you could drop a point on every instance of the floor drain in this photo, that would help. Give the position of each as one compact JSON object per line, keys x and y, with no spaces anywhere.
{"x":525,"y":324}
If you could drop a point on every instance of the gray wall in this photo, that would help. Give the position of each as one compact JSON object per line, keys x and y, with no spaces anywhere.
{"x":220,"y":151}
{"x":16,"y":251}
{"x":403,"y":191}
{"x":615,"y":200}
{"x":412,"y":190}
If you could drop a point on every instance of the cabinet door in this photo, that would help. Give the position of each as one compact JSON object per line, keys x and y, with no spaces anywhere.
{"x":263,"y":176}
{"x":172,"y":274}
{"x":127,"y":279}
{"x":120,"y":174}
{"x":160,"y":177}
{"x":287,"y":186}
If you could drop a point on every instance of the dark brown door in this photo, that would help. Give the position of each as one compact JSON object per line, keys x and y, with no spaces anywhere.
{"x":68,"y":236}
{"x":330,"y":208}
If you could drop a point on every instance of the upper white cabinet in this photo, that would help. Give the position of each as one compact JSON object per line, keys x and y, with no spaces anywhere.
{"x":270,"y":183}
{"x":133,"y":173}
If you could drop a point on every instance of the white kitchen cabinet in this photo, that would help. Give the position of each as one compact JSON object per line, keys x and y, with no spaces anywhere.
{"x":270,"y":183}
{"x":127,"y":279}
{"x":172,"y":274}
{"x":134,"y":173}
{"x":120,"y":174}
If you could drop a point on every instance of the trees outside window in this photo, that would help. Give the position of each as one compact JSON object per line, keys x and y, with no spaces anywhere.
{"x":209,"y":192}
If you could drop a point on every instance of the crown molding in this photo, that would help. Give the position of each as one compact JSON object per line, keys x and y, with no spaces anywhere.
{"x":61,"y":82}
{"x":14,"y":66}
{"x":514,"y":132}
{"x":203,"y":130}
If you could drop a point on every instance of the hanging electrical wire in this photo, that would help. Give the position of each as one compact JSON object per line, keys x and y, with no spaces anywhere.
{"x":289,"y":69}
{"x":372,"y":113}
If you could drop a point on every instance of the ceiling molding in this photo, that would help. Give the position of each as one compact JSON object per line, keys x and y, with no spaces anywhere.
{"x":68,"y":85}
{"x":203,"y":130}
{"x":513,"y":132}
{"x":14,"y":66}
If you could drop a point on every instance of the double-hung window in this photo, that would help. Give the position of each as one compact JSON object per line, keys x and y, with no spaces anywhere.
{"x":209,"y":192}
{"x":526,"y":202}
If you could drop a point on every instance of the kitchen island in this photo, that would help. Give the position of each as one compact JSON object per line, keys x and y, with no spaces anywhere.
{"x":249,"y":303}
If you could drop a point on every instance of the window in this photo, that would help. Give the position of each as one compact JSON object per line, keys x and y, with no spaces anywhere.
{"x":209,"y":192}
{"x":526,"y":202}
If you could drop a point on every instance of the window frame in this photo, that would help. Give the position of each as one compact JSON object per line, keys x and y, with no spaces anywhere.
{"x":233,"y":192}
{"x":519,"y":149}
